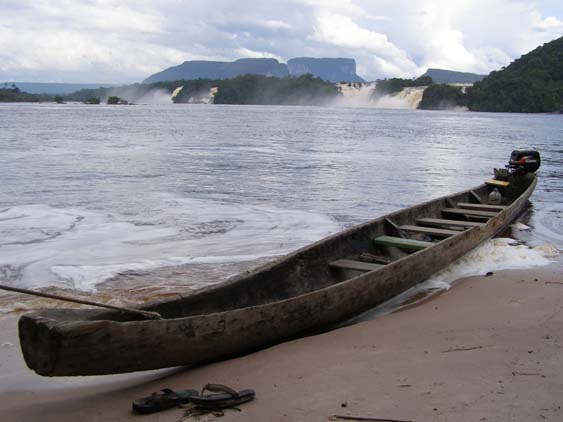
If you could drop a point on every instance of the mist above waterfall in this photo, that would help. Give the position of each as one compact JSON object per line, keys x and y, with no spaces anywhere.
{"x":156,"y":96}
{"x":139,"y":94}
{"x":204,"y":96}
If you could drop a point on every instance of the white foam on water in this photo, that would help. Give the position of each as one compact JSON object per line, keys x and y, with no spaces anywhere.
{"x":493,"y":255}
{"x":392,"y":102}
{"x":32,"y":223}
{"x":44,"y":246}
{"x":520,"y":226}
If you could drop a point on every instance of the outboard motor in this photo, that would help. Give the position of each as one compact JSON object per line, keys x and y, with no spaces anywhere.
{"x":524,"y":161}
{"x":519,"y":172}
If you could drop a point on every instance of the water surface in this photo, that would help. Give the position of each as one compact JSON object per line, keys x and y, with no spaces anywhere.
{"x":134,"y":202}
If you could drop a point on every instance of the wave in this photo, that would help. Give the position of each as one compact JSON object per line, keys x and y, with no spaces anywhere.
{"x":74,"y":248}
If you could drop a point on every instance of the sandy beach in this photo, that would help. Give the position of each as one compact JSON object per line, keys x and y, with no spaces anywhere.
{"x":489,"y":349}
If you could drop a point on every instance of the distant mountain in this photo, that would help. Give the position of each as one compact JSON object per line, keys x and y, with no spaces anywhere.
{"x":531,"y":84}
{"x":53,"y":88}
{"x":334,"y":70}
{"x":443,"y":76}
{"x":220,"y":70}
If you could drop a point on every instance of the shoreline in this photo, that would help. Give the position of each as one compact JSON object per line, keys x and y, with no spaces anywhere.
{"x":458,"y":109}
{"x":487,"y":349}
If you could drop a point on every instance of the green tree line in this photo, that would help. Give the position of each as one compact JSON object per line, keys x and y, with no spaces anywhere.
{"x":12,"y":94}
{"x":394,"y":85}
{"x":531,"y":84}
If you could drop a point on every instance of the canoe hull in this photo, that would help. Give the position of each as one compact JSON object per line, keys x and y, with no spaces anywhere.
{"x":53,"y":344}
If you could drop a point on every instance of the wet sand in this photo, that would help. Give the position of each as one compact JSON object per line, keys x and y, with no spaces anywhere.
{"x":489,"y":349}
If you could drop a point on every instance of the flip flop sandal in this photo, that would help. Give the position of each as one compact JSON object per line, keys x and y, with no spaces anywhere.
{"x":225,"y":397}
{"x":161,"y":400}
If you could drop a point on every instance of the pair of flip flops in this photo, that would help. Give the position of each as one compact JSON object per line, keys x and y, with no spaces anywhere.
{"x":223,"y":397}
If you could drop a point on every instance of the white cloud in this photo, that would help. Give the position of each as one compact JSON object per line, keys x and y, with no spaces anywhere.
{"x":551,"y":25}
{"x":114,"y":41}
{"x":246,"y":53}
{"x":99,"y":41}
{"x":277,"y":24}
{"x":349,"y":7}
{"x":342,"y":31}
{"x":98,"y":15}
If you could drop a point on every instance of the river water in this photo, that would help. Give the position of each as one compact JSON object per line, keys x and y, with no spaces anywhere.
{"x":130,"y":203}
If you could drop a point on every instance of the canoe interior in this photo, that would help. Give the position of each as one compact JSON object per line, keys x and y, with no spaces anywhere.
{"x":309,"y":269}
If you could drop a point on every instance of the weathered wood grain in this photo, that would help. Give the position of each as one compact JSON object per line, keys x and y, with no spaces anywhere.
{"x":402,"y":243}
{"x":481,"y":207}
{"x":433,"y":231}
{"x":349,"y":264}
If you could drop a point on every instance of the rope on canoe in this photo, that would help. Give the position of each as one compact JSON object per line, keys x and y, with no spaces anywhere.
{"x":146,"y":314}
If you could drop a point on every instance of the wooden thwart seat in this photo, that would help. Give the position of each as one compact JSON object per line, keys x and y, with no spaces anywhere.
{"x":349,"y":264}
{"x":429,"y":230}
{"x":401,"y":243}
{"x":481,"y":207}
{"x":469,"y":213}
{"x":498,"y":183}
{"x":373,"y":259}
{"x":440,"y":222}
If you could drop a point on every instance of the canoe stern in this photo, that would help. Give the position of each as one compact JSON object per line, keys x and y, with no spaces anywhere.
{"x":39,"y":340}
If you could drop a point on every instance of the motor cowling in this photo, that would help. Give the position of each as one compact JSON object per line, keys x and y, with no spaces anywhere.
{"x":524,"y":161}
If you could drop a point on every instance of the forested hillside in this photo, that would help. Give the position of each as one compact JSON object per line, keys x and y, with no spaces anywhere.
{"x":531,"y":84}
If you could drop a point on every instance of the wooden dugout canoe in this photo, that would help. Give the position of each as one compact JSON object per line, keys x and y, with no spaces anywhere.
{"x":313,"y":288}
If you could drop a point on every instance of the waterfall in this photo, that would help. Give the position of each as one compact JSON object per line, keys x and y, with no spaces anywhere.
{"x":176,"y":92}
{"x":412,"y":95}
{"x":361,"y":95}
{"x":408,"y":98}
{"x":355,"y":93}
{"x":203,"y":97}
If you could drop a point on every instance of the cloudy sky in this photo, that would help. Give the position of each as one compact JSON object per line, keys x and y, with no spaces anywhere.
{"x":126,"y":41}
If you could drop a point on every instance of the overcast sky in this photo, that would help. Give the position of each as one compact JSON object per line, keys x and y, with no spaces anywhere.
{"x":126,"y":41}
